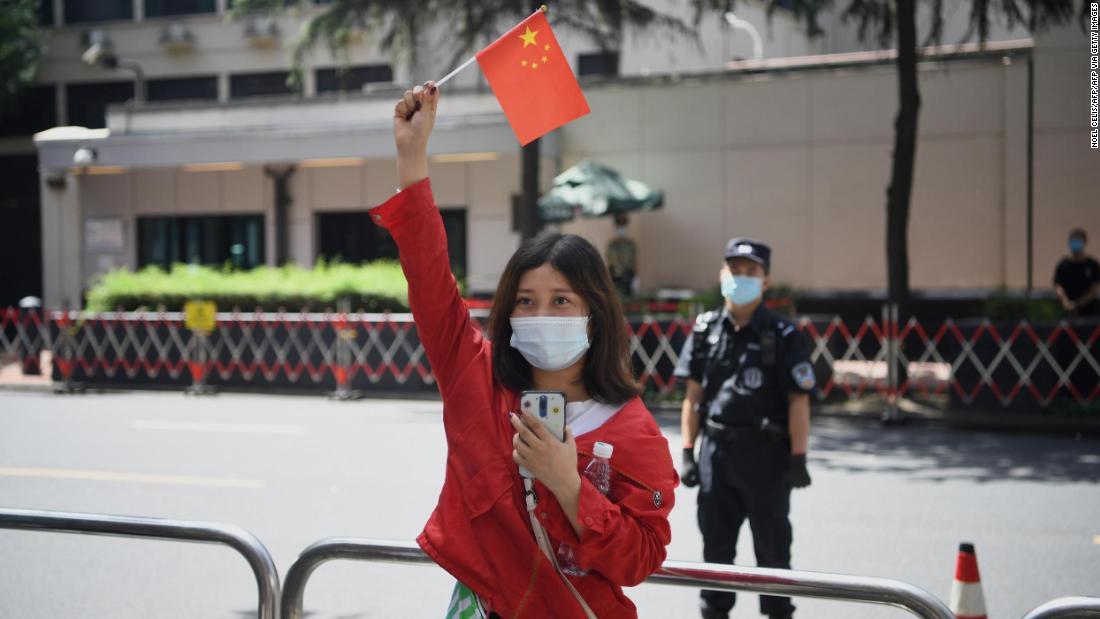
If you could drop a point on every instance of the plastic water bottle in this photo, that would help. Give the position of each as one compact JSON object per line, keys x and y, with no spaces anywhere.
{"x":598,"y":472}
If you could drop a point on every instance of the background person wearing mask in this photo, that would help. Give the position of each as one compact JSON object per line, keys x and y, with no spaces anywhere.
{"x":749,"y":379}
{"x":622,"y":258}
{"x":1077,"y":278}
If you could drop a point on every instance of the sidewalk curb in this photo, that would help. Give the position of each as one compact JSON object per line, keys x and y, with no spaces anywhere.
{"x":962,"y":420}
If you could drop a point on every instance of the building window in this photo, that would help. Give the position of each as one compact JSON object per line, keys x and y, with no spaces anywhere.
{"x":602,"y":63}
{"x":87,"y":103}
{"x":353,"y":238}
{"x":166,"y":8}
{"x":183,"y":89}
{"x":45,"y":13}
{"x":82,"y":11}
{"x":352,"y":79}
{"x":236,"y":240}
{"x":32,"y":110}
{"x":258,"y":84}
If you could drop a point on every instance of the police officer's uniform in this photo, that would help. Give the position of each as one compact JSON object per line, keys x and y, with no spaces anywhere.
{"x":747,"y":375}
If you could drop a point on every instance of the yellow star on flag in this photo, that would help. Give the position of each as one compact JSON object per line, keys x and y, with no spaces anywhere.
{"x":545,"y":59}
{"x":528,"y":37}
{"x":523,"y":63}
{"x":534,"y":65}
{"x":547,"y":48}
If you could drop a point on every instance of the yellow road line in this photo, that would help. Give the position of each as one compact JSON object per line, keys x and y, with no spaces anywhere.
{"x":138,"y":478}
{"x":192,"y":426}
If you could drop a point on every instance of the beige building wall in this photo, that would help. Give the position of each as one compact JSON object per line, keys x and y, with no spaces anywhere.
{"x":802,"y":161}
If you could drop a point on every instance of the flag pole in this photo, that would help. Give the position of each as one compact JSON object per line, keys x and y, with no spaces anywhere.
{"x":471,"y":60}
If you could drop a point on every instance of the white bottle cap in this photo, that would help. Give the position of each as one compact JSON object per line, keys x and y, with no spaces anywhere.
{"x":603,"y":450}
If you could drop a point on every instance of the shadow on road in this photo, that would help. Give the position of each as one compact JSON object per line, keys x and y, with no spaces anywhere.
{"x":942,"y":454}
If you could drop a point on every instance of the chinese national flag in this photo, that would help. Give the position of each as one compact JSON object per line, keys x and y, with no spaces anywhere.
{"x":532,"y":80}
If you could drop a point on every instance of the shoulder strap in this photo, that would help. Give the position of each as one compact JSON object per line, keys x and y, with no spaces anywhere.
{"x":544,"y":545}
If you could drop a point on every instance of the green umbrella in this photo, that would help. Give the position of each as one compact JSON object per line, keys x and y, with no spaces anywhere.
{"x":594,"y":190}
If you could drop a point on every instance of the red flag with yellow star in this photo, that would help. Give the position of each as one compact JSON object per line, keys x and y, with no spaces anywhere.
{"x":532,"y":80}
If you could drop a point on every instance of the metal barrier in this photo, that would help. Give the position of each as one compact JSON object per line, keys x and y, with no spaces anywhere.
{"x":267,"y":577}
{"x":1067,"y":607}
{"x":976,"y":363}
{"x":678,"y":573}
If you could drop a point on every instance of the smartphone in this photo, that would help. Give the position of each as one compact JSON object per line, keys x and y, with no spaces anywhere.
{"x":549,"y":408}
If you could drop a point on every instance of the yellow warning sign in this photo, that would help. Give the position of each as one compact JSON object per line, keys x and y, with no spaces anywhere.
{"x":200,"y":316}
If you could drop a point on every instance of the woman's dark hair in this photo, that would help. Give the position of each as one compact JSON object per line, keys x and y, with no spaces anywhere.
{"x":607,"y":370}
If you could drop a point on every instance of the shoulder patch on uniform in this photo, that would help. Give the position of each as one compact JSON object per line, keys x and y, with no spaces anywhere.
{"x":703,"y":321}
{"x":785,"y":329}
{"x":803,"y":374}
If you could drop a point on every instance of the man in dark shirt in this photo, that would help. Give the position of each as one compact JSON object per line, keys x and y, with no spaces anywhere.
{"x":749,"y":378}
{"x":1077,"y":278}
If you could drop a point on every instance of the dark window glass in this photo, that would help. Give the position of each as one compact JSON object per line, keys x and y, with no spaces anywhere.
{"x":21,"y":249}
{"x":32,"y":110}
{"x":353,"y":238}
{"x":603,"y":63}
{"x":237,"y":240}
{"x":258,"y":84}
{"x":785,"y":4}
{"x":45,"y":13}
{"x":352,"y":78}
{"x":183,"y":89}
{"x":163,"y":8}
{"x":79,"y":11}
{"x":87,"y":103}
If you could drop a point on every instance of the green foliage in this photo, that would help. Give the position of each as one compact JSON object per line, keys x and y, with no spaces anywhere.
{"x":1009,"y":307}
{"x":400,"y":25}
{"x":20,"y":48}
{"x":375,"y":287}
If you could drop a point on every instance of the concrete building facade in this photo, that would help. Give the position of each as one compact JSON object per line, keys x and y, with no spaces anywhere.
{"x":791,"y":149}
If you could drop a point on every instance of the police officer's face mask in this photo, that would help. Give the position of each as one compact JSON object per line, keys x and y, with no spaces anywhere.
{"x":1077,"y":245}
{"x":741,"y":290}
{"x":550,"y":343}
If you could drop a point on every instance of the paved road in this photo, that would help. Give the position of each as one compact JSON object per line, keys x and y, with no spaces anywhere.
{"x":892,"y":503}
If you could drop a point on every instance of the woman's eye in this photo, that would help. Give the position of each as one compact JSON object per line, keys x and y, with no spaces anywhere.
{"x":561,"y":300}
{"x":522,"y":301}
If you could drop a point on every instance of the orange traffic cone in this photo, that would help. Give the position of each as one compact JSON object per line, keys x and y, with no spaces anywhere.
{"x":967,"y":601}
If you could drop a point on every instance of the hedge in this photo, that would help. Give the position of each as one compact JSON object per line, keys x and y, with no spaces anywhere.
{"x":373,"y":287}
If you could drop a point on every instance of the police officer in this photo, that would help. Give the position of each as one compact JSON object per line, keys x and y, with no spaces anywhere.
{"x":749,"y":379}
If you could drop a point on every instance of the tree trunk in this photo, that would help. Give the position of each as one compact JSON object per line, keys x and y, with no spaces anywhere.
{"x":529,"y":220}
{"x":905,"y":151}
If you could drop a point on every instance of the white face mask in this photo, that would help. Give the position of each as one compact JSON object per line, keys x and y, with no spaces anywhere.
{"x":550,"y":343}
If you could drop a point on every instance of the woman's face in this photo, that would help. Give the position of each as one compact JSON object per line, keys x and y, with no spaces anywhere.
{"x":544,"y":291}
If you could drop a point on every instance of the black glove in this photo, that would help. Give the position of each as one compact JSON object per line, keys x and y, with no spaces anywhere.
{"x":689,"y":472}
{"x":797,"y":475}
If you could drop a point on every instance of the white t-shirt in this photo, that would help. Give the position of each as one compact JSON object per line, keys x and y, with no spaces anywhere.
{"x":583,"y":417}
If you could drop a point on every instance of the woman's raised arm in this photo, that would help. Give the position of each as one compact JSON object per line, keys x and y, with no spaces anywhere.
{"x":457,"y":350}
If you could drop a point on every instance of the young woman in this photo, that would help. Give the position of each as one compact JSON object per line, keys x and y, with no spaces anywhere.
{"x":556,"y":324}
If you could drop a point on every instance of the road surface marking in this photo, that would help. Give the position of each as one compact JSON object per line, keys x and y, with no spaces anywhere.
{"x":193,"y":426}
{"x":140,"y":478}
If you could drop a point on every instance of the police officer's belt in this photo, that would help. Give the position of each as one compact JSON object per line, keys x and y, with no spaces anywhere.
{"x":764,"y":432}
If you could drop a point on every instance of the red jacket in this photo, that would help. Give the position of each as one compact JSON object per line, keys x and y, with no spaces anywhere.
{"x":480,"y":531}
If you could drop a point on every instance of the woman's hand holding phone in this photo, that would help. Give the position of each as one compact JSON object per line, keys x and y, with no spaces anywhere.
{"x":551,"y":461}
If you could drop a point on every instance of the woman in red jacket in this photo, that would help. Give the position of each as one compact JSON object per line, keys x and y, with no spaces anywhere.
{"x":556,"y":324}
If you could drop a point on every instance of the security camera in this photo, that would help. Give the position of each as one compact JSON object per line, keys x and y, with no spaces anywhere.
{"x":84,"y":156}
{"x":100,"y":54}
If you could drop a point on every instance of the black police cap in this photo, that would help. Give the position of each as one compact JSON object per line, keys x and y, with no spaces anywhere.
{"x":748,"y":248}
